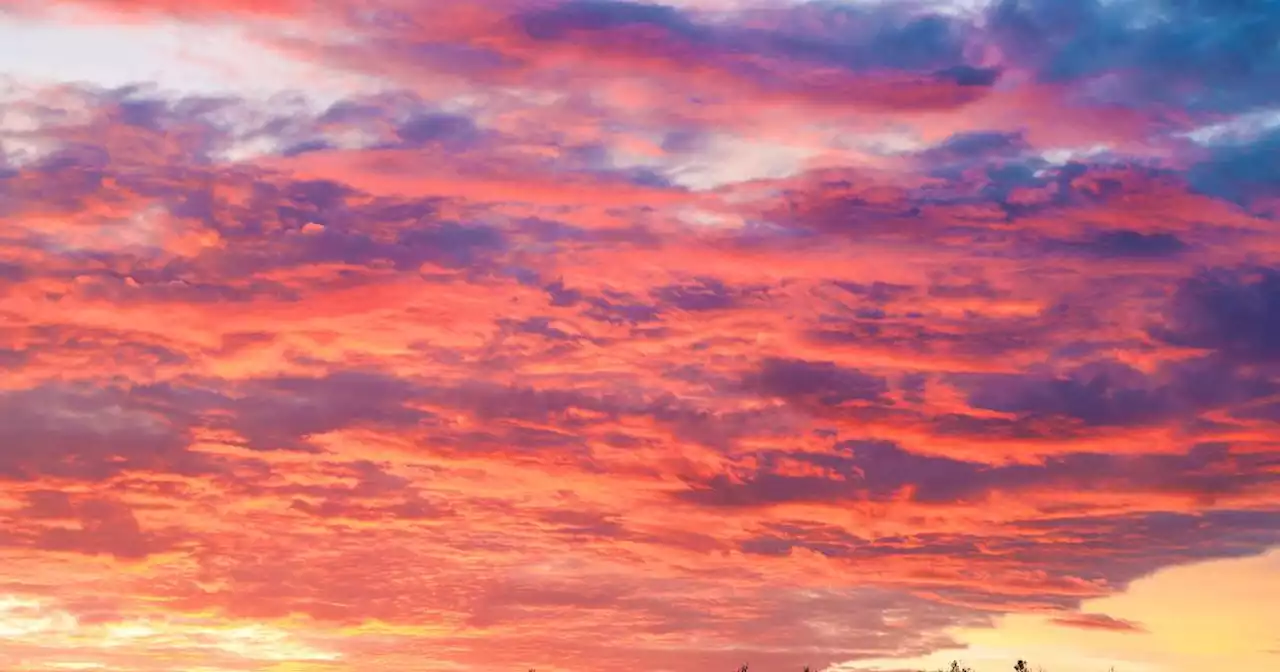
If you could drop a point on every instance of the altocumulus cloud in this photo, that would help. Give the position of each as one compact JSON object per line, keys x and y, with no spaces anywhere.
{"x":466,"y":359}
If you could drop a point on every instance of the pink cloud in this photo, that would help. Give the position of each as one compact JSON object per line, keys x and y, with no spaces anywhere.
{"x":473,"y":370}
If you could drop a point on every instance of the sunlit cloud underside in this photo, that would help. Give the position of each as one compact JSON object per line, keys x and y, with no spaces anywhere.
{"x":586,"y":335}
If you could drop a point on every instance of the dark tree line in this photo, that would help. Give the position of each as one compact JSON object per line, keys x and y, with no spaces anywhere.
{"x":1020,"y":666}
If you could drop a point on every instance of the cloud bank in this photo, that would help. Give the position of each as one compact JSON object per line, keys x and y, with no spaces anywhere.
{"x":604,"y":333}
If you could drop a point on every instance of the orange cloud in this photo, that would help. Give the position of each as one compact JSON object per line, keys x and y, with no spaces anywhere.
{"x":612,"y":334}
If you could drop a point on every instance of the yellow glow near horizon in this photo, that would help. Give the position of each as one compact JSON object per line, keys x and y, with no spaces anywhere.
{"x":1223,"y":614}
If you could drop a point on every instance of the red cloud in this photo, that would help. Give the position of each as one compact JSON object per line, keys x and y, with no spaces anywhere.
{"x":476,"y":366}
{"x":1099,"y":622}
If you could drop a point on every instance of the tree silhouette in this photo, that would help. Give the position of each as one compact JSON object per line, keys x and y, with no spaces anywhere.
{"x":1020,"y":666}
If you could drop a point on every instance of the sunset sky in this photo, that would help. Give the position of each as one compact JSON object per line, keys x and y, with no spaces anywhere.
{"x":600,"y":336}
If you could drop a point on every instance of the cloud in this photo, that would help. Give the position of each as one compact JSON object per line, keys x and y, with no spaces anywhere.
{"x":448,"y":129}
{"x":1098,"y":622}
{"x":823,"y":382}
{"x":883,"y":471}
{"x":1234,"y":312}
{"x":702,"y":295}
{"x":560,"y":21}
{"x":87,"y":434}
{"x":1099,"y":394}
{"x":975,"y":323}
{"x":1216,"y":52}
{"x":104,"y":527}
{"x":975,"y":146}
{"x":277,"y":413}
{"x":1239,"y":171}
{"x":1125,"y":244}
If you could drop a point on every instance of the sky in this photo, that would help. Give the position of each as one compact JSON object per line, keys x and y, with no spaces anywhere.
{"x":586,"y":335}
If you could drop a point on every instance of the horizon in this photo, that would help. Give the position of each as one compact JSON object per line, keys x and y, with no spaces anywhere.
{"x":569,"y":335}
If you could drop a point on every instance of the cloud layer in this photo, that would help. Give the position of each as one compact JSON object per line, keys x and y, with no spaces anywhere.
{"x":601,"y":333}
